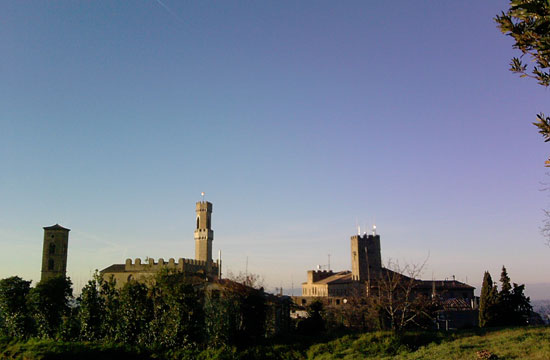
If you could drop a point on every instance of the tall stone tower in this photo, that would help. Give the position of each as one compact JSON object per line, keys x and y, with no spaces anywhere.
{"x":203,"y":233}
{"x":366,"y":259}
{"x":54,"y":253}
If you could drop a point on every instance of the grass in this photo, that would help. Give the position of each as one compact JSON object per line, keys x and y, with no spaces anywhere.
{"x":511,"y":343}
{"x":514,"y":343}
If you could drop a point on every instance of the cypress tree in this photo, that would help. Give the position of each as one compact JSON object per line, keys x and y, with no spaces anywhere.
{"x":505,"y":282}
{"x":505,"y":306}
{"x":488,"y":302}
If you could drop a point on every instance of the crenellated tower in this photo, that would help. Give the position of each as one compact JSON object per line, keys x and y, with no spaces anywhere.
{"x":366,"y":258}
{"x":204,"y":233}
{"x":54,"y":252}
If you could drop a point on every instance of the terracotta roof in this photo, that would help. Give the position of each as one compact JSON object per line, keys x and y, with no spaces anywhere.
{"x":341,"y":277}
{"x":456,"y":304}
{"x":56,"y":227}
{"x":444,"y":284}
{"x":115,"y":268}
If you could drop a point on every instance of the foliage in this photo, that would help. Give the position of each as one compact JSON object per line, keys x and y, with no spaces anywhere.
{"x":313,"y":324}
{"x":49,"y":302}
{"x":92,"y":310}
{"x":15,"y":320}
{"x":235,"y":314}
{"x":360,"y":313}
{"x":136,"y":314}
{"x":488,"y":302}
{"x":528,"y":23}
{"x":178,"y":313}
{"x":509,"y":307}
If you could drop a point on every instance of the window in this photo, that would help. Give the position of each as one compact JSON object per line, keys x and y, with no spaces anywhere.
{"x":130,"y":278}
{"x":50,"y":264}
{"x":198,"y":222}
{"x":52,"y":248}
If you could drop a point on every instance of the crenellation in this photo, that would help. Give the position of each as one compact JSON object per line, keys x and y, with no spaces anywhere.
{"x":201,"y":265}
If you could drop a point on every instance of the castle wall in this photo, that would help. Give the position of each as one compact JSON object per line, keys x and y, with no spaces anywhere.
{"x":145,"y":271}
{"x":317,"y":275}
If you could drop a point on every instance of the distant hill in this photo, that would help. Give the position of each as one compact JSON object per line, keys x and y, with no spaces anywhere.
{"x":543,"y":308}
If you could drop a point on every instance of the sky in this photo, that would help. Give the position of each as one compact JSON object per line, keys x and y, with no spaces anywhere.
{"x":299,"y":120}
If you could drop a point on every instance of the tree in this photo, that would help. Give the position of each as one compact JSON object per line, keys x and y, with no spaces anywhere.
{"x":92,"y":310}
{"x":513,"y":306}
{"x":178,"y":315}
{"x":136,"y":314}
{"x":521,"y":306}
{"x":398,"y":300}
{"x":509,"y":307}
{"x":488,"y":302}
{"x":16,"y":320}
{"x":528,"y":23}
{"x":50,"y":301}
{"x":505,"y":308}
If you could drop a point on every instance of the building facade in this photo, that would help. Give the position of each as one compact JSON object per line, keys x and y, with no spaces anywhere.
{"x":54,"y":252}
{"x":202,"y":266}
{"x":335,"y":288}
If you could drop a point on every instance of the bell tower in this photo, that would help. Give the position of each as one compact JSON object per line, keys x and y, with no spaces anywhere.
{"x":54,"y":252}
{"x":204,"y":233}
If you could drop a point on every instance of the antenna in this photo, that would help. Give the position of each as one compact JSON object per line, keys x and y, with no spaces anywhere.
{"x":246,"y":268}
{"x":329,"y":262}
{"x":374,"y":230}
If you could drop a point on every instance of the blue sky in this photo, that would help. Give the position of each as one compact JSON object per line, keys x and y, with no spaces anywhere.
{"x":298,"y":119}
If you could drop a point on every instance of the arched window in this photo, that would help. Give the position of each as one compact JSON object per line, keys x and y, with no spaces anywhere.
{"x":52,"y":248}
{"x":50,"y":264}
{"x":198,"y":222}
{"x":130,"y":278}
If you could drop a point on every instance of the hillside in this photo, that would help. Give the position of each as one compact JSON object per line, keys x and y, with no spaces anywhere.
{"x":515,"y":343}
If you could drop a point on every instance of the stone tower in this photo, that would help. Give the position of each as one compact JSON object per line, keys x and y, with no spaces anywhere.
{"x":54,"y":253}
{"x":366,"y":259}
{"x":203,"y":233}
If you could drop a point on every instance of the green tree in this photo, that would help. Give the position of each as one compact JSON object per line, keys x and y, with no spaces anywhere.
{"x":136,"y":314}
{"x":514,"y":307}
{"x":528,"y":23}
{"x":488,"y":302}
{"x":178,"y":314}
{"x":15,"y":315}
{"x":111,"y":302}
{"x":50,"y":303}
{"x":521,"y":306}
{"x":92,"y":310}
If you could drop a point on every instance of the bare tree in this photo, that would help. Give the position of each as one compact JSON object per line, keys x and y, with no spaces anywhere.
{"x":398,"y":299}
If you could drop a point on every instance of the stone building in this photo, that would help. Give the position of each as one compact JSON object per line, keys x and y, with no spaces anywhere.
{"x":54,"y":252}
{"x":202,"y":266}
{"x":334,"y":288}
